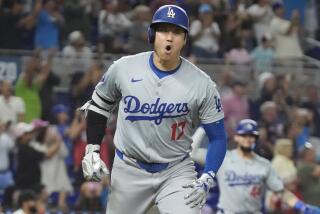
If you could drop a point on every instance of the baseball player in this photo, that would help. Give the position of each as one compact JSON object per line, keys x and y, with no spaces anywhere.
{"x":162,"y":98}
{"x":245,"y":176}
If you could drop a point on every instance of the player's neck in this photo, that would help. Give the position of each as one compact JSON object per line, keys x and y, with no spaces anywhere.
{"x":166,"y":65}
{"x":244,"y":155}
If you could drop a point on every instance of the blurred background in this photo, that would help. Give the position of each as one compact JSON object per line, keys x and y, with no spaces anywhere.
{"x":263,"y":55}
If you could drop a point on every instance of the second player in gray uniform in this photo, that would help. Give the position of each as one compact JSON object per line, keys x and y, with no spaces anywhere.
{"x":162,"y":98}
{"x":245,"y":176}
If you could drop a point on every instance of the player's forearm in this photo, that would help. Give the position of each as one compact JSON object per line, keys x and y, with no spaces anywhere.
{"x":217,"y":146}
{"x":96,"y":124}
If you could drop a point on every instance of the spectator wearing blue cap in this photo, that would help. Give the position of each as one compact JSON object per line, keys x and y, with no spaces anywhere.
{"x":205,"y":33}
{"x":69,"y":130}
{"x":60,"y":114}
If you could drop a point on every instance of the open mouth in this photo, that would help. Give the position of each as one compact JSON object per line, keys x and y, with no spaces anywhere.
{"x":168,"y":47}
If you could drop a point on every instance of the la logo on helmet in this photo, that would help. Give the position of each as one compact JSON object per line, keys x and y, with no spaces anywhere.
{"x":171,"y":13}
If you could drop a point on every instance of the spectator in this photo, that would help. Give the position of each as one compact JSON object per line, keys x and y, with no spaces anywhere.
{"x":285,"y":168}
{"x":113,"y":28}
{"x":30,"y":82}
{"x":235,"y":106}
{"x":230,"y":32}
{"x":42,"y":197}
{"x":89,"y":199}
{"x":27,"y":203}
{"x":302,"y":117}
{"x":62,"y":123}
{"x":77,"y":56}
{"x":285,"y":33}
{"x":47,"y":19}
{"x":11,"y":30}
{"x":53,"y":170}
{"x":282,"y":161}
{"x":47,"y":94}
{"x":263,"y":55}
{"x":313,"y":104}
{"x":267,"y":86}
{"x":77,"y":17}
{"x":138,"y":39}
{"x":77,"y":129}
{"x":238,"y":55}
{"x":309,"y":175}
{"x":28,"y":172}
{"x":270,"y":129}
{"x":261,"y":15}
{"x":205,"y":34}
{"x":82,"y":84}
{"x":12,"y":107}
{"x":6,"y":146}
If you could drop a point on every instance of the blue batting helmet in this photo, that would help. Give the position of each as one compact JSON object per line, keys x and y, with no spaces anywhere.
{"x":247,"y":126}
{"x":171,"y":14}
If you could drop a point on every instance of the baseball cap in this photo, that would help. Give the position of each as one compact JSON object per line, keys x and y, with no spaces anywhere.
{"x":205,"y":8}
{"x":38,"y":123}
{"x":75,"y":36}
{"x":277,"y":5}
{"x":59,"y":108}
{"x":21,"y":128}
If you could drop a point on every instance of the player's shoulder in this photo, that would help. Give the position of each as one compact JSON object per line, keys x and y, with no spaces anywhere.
{"x":194,"y":71}
{"x":135,"y":58}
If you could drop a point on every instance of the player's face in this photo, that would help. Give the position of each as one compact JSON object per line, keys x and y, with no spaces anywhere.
{"x":246,"y":140}
{"x":169,"y":41}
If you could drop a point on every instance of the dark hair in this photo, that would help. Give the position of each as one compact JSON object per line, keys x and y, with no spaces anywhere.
{"x":41,"y":134}
{"x":276,"y":6}
{"x":26,"y":195}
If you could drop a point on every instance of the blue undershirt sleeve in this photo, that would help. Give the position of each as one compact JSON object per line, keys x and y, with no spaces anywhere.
{"x":217,"y":145}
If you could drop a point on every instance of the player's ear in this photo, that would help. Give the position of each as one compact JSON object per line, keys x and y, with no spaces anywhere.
{"x":235,"y":138}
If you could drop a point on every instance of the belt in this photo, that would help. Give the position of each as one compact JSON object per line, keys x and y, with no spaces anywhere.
{"x":149,"y":167}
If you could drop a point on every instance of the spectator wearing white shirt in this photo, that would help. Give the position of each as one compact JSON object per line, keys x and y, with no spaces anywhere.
{"x":12,"y":108}
{"x":205,"y":34}
{"x":261,"y":14}
{"x":6,"y":146}
{"x":285,"y":33}
{"x":77,"y":56}
{"x":113,"y":28}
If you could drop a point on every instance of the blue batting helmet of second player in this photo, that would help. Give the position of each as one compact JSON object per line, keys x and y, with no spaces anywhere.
{"x":171,"y":14}
{"x":247,"y":126}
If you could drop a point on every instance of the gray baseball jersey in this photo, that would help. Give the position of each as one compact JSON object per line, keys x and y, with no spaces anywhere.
{"x":157,"y":117}
{"x":242,"y":183}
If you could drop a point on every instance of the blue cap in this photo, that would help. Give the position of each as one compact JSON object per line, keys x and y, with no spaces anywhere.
{"x":205,"y":8}
{"x":59,"y":108}
{"x":247,"y":126}
{"x":277,"y":5}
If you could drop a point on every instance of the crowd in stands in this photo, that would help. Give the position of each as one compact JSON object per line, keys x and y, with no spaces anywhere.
{"x":42,"y":138}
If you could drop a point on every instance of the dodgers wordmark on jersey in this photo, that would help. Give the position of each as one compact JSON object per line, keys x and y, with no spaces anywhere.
{"x":157,"y":116}
{"x":242,"y":183}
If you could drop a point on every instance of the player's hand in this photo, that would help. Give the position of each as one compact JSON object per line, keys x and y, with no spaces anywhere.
{"x":94,"y":169}
{"x":199,"y":190}
{"x":307,"y":208}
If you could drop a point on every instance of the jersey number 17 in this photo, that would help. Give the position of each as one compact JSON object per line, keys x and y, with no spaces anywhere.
{"x":177,"y":130}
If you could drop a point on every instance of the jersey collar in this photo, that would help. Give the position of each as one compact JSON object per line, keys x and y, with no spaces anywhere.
{"x":161,"y":73}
